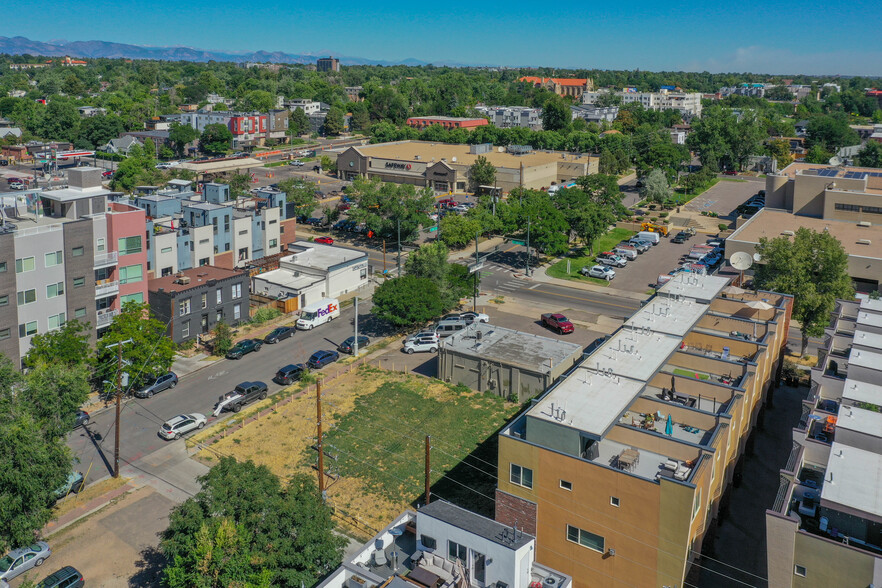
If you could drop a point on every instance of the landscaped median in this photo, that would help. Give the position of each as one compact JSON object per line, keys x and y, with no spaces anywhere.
{"x":577,"y":262}
{"x":375,"y":422}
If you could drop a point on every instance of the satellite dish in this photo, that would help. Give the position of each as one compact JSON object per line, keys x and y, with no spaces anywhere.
{"x":757,"y":257}
{"x":740,"y":260}
{"x":835,"y":160}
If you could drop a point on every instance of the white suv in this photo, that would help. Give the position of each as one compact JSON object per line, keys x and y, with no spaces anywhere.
{"x":598,"y":271}
{"x":428,"y":342}
{"x":183,"y":423}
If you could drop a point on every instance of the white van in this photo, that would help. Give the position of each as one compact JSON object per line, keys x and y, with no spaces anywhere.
{"x":318,"y":313}
{"x":650,"y":236}
{"x":629,"y":252}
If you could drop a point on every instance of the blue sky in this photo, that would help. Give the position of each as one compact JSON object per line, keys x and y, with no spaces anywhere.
{"x":812,"y":36}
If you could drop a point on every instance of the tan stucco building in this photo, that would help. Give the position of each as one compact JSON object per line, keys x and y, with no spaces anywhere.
{"x":445,"y":167}
{"x":620,"y":467}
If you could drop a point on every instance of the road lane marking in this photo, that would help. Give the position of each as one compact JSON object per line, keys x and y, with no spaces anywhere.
{"x":589,"y":300}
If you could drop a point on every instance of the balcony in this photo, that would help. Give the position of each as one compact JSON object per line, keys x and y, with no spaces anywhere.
{"x":105,"y":317}
{"x":105,"y":288}
{"x":106,"y":259}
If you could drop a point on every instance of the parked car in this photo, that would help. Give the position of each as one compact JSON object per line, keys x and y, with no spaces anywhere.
{"x":462,"y":208}
{"x":602,"y":272}
{"x":244,"y":347}
{"x":157,"y":384}
{"x":82,"y":419}
{"x":730,"y":172}
{"x":244,"y":393}
{"x":13,"y":180}
{"x":641,"y":245}
{"x":422,"y":342}
{"x":315,"y":221}
{"x":296,"y":163}
{"x":471,"y":316}
{"x":557,"y":322}
{"x":279,"y":334}
{"x":324,"y":240}
{"x":289,"y":374}
{"x":20,"y":560}
{"x":449,"y":326}
{"x":183,"y":423}
{"x":74,"y":483}
{"x":66,"y":577}
{"x":322,"y":358}
{"x":610,"y":258}
{"x":680,"y":237}
{"x":423,"y":335}
{"x":348,"y":344}
{"x":446,"y":203}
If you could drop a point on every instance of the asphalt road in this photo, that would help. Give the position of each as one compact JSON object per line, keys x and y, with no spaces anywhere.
{"x":198,"y":392}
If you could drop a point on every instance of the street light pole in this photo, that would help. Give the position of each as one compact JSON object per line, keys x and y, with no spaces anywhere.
{"x":528,"y":246}
{"x":355,"y":344}
{"x":477,"y":274}
{"x":399,"y":248}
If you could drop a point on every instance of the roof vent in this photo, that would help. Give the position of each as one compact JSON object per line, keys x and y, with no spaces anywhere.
{"x":788,"y":233}
{"x":865,"y":224}
{"x":183,"y":280}
{"x":863,"y":241}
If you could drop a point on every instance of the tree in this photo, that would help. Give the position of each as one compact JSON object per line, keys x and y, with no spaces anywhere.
{"x":457,"y":231}
{"x":53,"y":393}
{"x":556,"y":114}
{"x":831,"y":132}
{"x":817,"y":154}
{"x":258,"y":101}
{"x":407,"y":301}
{"x":301,"y":192}
{"x":223,"y":339}
{"x":780,"y":150}
{"x":334,"y":121}
{"x":216,"y":139}
{"x":813,"y":267}
{"x":430,"y":262}
{"x":710,"y":137}
{"x":67,"y":346}
{"x":481,"y":173}
{"x":870,"y":155}
{"x":656,"y":187}
{"x":150,"y":353}
{"x":181,"y":135}
{"x":138,"y":169}
{"x":239,"y":184}
{"x":96,"y":131}
{"x":382,"y":206}
{"x":298,"y":123}
{"x":245,"y":528}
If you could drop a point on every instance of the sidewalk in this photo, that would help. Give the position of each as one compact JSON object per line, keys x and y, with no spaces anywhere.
{"x":86,"y":509}
{"x":539,"y":275}
{"x":184,"y":365}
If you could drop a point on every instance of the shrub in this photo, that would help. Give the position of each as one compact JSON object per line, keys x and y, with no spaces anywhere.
{"x":639,"y":218}
{"x":703,"y":213}
{"x":662,"y":214}
{"x":653,"y":218}
{"x":723,"y":226}
{"x":652,"y":207}
{"x":265,"y":314}
{"x":223,"y":338}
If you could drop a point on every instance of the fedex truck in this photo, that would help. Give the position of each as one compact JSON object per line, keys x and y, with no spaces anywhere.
{"x":318,"y":313}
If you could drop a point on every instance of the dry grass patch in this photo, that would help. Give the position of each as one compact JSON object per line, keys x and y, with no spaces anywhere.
{"x":91,"y":491}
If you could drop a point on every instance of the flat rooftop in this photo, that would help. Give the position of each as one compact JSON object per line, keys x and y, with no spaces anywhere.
{"x":771,"y":223}
{"x":198,"y":276}
{"x":512,"y":347}
{"x":206,"y":205}
{"x":857,"y":480}
{"x":867,"y":339}
{"x":319,"y":255}
{"x":862,"y":392}
{"x":287,"y":279}
{"x":634,"y":353}
{"x":869,"y":319}
{"x":591,"y":403}
{"x":869,"y":304}
{"x":667,"y":315}
{"x":222,"y":166}
{"x":70,"y":194}
{"x":859,"y":420}
{"x":474,"y":523}
{"x":689,"y":285}
{"x":428,"y":151}
{"x":866,"y":359}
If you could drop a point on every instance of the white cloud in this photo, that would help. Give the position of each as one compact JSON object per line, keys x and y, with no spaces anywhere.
{"x":758,"y":59}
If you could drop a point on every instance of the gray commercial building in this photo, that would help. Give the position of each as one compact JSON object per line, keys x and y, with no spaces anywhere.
{"x":509,"y":363}
{"x":193,"y":301}
{"x":506,"y":117}
{"x":595,"y":114}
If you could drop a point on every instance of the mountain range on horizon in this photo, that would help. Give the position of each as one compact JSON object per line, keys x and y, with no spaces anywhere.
{"x":106,"y":49}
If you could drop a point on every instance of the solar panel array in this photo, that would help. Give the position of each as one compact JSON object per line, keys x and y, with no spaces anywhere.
{"x":853,"y":175}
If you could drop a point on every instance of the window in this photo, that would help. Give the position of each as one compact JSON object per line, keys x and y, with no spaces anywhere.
{"x":799,"y":570}
{"x":184,"y":307}
{"x":4,"y":334}
{"x":25,"y":264}
{"x":272,"y":222}
{"x":237,"y":311}
{"x":237,"y":290}
{"x":137,"y":297}
{"x":2,"y":267}
{"x":614,"y":501}
{"x":80,"y":313}
{"x":219,"y":295}
{"x":77,"y":282}
{"x":166,"y":250}
{"x":219,"y":316}
{"x":363,"y":273}
{"x":130,"y":274}
{"x":99,"y":245}
{"x":27,"y":329}
{"x":428,"y":542}
{"x":54,"y":258}
{"x":4,"y":300}
{"x":203,"y":261}
{"x":185,"y":329}
{"x":55,"y":321}
{"x":27,"y":296}
{"x":226,"y":246}
{"x":129,"y":245}
{"x":585,"y":539}
{"x":53,"y":290}
{"x":204,"y":300}
{"x":203,"y":241}
{"x":566,"y":485}
{"x":243,"y":254}
{"x":457,"y":551}
{"x":696,"y":504}
{"x":273,"y":242}
{"x":521,"y":476}
{"x":77,"y":251}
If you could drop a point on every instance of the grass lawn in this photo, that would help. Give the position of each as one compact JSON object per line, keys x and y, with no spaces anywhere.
{"x":604,"y":243}
{"x":690,"y":374}
{"x":684,"y":198}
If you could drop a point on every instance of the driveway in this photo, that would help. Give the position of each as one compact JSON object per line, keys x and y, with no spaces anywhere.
{"x":660,"y":259}
{"x":724,"y":197}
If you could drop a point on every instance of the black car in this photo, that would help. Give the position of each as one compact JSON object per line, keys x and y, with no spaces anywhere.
{"x":347,"y":345}
{"x":340,"y":224}
{"x":82,"y":419}
{"x":244,"y":393}
{"x":279,"y":334}
{"x":322,"y":358}
{"x":680,"y":238}
{"x":66,"y":577}
{"x":315,"y":221}
{"x":289,"y":374}
{"x":243,"y":347}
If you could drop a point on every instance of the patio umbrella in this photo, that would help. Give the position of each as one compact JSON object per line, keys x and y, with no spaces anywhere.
{"x":758,"y":305}
{"x":669,"y":426}
{"x":734,"y":290}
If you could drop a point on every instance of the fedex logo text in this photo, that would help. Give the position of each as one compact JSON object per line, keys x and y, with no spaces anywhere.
{"x":323,"y":311}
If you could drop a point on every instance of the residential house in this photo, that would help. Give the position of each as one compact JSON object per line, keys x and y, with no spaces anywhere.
{"x":121,"y":145}
{"x":506,"y":117}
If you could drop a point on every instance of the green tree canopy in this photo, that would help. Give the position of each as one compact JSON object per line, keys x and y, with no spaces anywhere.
{"x":180,"y":135}
{"x":96,"y":131}
{"x":556,"y":114}
{"x":481,"y":173}
{"x":407,"y":301}
{"x":813,"y":267}
{"x":430,"y":262}
{"x":457,"y":231}
{"x":656,"y":187}
{"x":67,"y":346}
{"x":245,"y":528}
{"x":216,"y":139}
{"x":298,"y":123}
{"x":831,"y":132}
{"x":301,"y":192}
{"x":334,"y":121}
{"x":870,"y":155}
{"x":382,"y":205}
{"x":138,"y":169}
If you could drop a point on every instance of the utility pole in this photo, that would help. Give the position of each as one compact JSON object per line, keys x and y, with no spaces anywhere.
{"x":477,"y":274}
{"x":528,"y":246}
{"x":399,"y":248}
{"x":428,"y":469}
{"x":355,"y":344}
{"x":321,"y":451}
{"x":384,"y":256}
{"x":119,"y":366}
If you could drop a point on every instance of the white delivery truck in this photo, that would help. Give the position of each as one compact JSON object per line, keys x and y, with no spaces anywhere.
{"x":629,"y":252}
{"x":318,"y":313}
{"x":650,"y":236}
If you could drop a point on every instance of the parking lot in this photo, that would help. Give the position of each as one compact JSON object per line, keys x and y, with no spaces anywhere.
{"x":726,"y":196}
{"x":641,"y":273}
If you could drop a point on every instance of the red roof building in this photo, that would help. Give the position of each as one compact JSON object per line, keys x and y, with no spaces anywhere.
{"x":448,"y":122}
{"x":561,"y":86}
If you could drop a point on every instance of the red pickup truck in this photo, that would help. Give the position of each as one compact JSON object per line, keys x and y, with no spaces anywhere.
{"x":446,"y":203}
{"x":557,"y":322}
